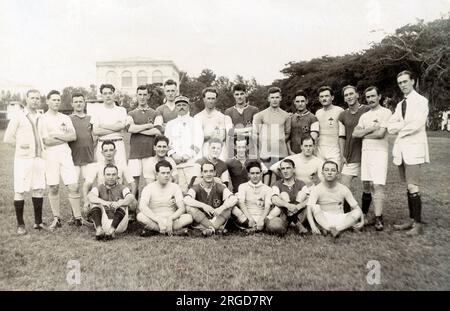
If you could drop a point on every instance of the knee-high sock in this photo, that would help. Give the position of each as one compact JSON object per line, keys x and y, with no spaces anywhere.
{"x":222,"y":218}
{"x":378,"y":203}
{"x":366,"y":200}
{"x":18,"y":206}
{"x":119,"y":214}
{"x":75,"y":201}
{"x":416,"y":205}
{"x":410,"y":207}
{"x":37,"y":205}
{"x":54,"y":205}
{"x":200,"y":218}
{"x":96,"y":216}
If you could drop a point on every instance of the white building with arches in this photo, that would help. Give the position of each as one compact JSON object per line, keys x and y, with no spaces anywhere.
{"x":127,"y":74}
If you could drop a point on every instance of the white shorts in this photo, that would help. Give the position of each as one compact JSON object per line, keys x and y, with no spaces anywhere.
{"x":374,"y":165}
{"x":29,"y":174}
{"x":120,"y":158}
{"x":106,"y":222}
{"x":59,"y":164}
{"x":351,"y":169}
{"x":326,"y":219}
{"x":138,"y":166}
{"x":84,"y":170}
{"x":329,"y":153}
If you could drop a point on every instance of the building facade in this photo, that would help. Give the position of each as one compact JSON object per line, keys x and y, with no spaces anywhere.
{"x":127,"y":74}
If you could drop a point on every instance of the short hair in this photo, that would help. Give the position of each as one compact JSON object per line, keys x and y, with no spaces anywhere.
{"x":110,"y":166}
{"x":300,"y":93}
{"x":32,"y":91}
{"x":107,"y":86}
{"x":108,"y":142}
{"x":325,"y":88}
{"x":77,"y":94}
{"x":288,"y":161}
{"x":406,"y":72}
{"x":307,"y":137}
{"x":349,"y":87}
{"x":239,"y":87}
{"x":330,"y":162}
{"x":215,"y":140}
{"x":162,"y":163}
{"x":161,"y":138}
{"x":252,"y":164}
{"x":273,"y":90}
{"x":207,"y":162}
{"x":142,"y":88}
{"x":170,"y":82}
{"x":371,"y":88}
{"x":211,"y":90}
{"x":53,"y":92}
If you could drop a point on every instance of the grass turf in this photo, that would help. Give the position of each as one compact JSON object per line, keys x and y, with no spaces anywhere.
{"x":39,"y":260}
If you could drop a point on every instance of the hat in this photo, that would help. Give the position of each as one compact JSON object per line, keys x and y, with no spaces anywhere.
{"x":181,"y":98}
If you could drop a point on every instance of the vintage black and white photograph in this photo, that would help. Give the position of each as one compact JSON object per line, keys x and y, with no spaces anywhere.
{"x":195,"y":145}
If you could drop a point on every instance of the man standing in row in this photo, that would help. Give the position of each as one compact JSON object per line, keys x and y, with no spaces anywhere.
{"x":29,"y":167}
{"x":301,"y":122}
{"x":144,"y":123}
{"x":328,"y":144}
{"x":167,"y":110}
{"x":56,"y":130}
{"x":410,"y":149}
{"x":372,"y":128}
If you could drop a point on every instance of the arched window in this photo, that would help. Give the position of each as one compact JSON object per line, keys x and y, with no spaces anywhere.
{"x":157,"y":77}
{"x":111,"y":77}
{"x":127,"y":79}
{"x":142,"y":77}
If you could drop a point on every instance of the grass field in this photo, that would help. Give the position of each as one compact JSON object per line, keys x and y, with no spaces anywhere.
{"x":38,"y":260}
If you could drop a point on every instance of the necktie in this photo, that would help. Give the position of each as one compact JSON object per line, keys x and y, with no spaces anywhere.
{"x":404,"y":103}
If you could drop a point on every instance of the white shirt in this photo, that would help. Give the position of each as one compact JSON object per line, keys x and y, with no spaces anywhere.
{"x":109,"y":115}
{"x":378,"y":116}
{"x":329,"y":126}
{"x":184,"y":133}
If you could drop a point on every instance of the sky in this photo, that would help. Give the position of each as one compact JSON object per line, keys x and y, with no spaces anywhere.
{"x":50,"y":44}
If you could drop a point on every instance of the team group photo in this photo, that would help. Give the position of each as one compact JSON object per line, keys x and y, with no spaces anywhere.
{"x":328,"y":179}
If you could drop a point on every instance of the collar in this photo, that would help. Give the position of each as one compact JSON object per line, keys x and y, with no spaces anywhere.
{"x":245,"y":106}
{"x":143,"y":109}
{"x":252,"y":185}
{"x":302,"y":114}
{"x":212,"y":185}
{"x":412,"y":94}
{"x":184,"y":118}
{"x":110,"y":187}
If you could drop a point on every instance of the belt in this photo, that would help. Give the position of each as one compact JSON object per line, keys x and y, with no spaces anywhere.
{"x":113,"y":140}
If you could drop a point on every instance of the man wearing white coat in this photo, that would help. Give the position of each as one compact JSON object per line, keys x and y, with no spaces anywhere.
{"x":410,"y":147}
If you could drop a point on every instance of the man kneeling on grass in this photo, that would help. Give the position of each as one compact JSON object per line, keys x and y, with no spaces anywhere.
{"x":208,"y":202}
{"x":161,"y":204}
{"x":326,"y":204}
{"x":109,"y":204}
{"x":254,"y":200}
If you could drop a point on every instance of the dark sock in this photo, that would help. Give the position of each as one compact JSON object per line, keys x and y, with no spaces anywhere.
{"x":37,"y":205}
{"x":410,"y":207}
{"x":137,"y":195}
{"x":366,"y":200}
{"x":18,"y":205}
{"x":416,"y":204}
{"x":119,"y":214}
{"x":96,"y":216}
{"x":346,"y":207}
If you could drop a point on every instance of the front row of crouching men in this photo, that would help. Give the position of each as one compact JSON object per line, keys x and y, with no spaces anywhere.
{"x":209,"y":205}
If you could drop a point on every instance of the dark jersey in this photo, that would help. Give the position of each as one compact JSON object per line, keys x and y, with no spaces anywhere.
{"x":215,"y":196}
{"x":299,"y":126}
{"x":291,"y":191}
{"x":141,"y":146}
{"x":352,"y":150}
{"x":83,"y":147}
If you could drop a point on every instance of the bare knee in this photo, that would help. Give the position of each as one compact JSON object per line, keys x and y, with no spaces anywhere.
{"x":38,"y":193}
{"x":73,"y":189}
{"x":18,"y":196}
{"x":413,"y":188}
{"x":54,"y":189}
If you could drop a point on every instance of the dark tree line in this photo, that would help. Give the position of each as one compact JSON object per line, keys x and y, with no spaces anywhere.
{"x":423,"y":48}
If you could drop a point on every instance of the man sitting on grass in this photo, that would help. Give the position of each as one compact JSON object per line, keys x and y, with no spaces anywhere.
{"x":161,"y":204}
{"x":254,"y":201}
{"x":208,"y":202}
{"x":326,"y":204}
{"x":289,"y":196}
{"x":109,"y":204}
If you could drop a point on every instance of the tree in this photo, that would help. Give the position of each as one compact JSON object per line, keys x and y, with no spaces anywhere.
{"x":207,"y":77}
